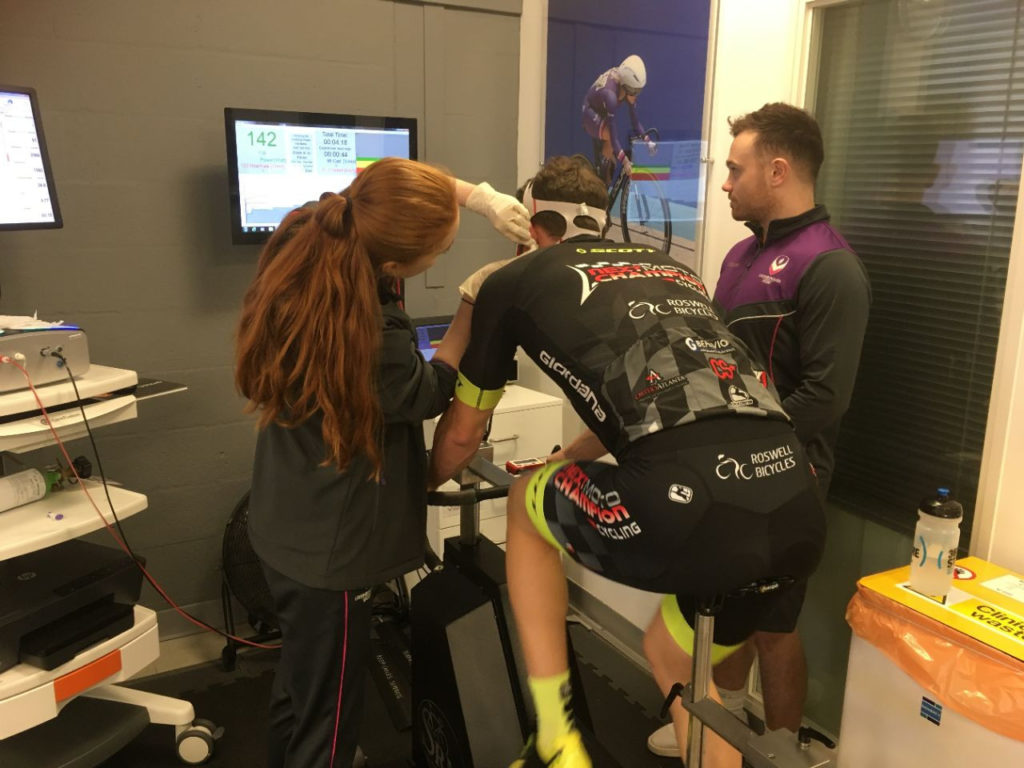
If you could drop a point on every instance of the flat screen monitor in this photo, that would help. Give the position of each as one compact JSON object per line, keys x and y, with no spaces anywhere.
{"x":429,"y":332}
{"x":279,"y":160}
{"x":28,"y":199}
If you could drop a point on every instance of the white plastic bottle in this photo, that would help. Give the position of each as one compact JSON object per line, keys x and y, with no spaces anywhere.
{"x":935,"y":545}
{"x":24,"y":487}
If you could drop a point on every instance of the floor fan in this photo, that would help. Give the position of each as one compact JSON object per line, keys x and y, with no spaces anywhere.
{"x":244,"y":581}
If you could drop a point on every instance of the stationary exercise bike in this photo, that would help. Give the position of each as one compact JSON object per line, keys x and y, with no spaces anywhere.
{"x":774,"y":749}
{"x":471,"y":706}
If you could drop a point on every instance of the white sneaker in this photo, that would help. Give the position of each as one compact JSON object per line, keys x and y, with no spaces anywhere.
{"x":663,"y":742}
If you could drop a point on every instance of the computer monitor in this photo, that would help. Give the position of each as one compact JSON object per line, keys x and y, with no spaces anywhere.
{"x":279,"y":160}
{"x":28,"y":199}
{"x":429,"y":332}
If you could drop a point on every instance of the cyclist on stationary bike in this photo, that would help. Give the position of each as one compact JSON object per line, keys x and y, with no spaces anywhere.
{"x":710,"y":488}
{"x":613,"y":87}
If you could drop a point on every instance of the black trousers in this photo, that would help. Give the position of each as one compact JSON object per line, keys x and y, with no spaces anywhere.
{"x":316,"y":700}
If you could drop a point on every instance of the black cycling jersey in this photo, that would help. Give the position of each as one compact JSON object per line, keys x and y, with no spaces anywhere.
{"x":626,"y":332}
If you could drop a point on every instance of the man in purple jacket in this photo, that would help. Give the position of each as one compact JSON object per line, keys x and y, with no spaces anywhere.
{"x":798,"y":296}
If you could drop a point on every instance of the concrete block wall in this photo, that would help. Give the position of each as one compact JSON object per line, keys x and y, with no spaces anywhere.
{"x":132,"y":97}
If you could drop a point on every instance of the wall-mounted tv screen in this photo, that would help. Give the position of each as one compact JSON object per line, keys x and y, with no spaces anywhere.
{"x":28,"y":199}
{"x":279,"y":160}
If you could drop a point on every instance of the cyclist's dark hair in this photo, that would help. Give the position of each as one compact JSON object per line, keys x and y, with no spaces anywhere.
{"x":568,"y":180}
{"x":785,"y":129}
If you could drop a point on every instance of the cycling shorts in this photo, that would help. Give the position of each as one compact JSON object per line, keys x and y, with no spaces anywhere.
{"x":695,"y":511}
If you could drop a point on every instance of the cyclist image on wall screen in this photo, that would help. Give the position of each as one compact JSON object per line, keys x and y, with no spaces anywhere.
{"x":618,"y":85}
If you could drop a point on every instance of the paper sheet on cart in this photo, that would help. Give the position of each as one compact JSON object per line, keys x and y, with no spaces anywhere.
{"x":28,"y":323}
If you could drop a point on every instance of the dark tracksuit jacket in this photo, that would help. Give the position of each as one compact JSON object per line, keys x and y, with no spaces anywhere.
{"x":798,"y":296}
{"x":339,"y":531}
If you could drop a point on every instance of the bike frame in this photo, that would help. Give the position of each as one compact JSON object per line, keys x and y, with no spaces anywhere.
{"x":619,"y":188}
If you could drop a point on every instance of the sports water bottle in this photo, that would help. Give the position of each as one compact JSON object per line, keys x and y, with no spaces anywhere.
{"x":935,"y":541}
{"x":26,"y":486}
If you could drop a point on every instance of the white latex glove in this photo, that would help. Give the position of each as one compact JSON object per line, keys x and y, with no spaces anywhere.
{"x":471,"y":285}
{"x":627,"y":165}
{"x":506,"y":214}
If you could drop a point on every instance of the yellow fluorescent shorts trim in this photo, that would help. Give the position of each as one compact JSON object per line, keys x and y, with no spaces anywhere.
{"x":682,"y":632}
{"x":470,"y":394}
{"x":535,"y":501}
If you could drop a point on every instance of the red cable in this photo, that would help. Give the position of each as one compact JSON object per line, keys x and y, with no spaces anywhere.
{"x":109,"y":527}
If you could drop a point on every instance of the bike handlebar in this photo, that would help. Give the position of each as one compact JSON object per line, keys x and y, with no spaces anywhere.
{"x":651,"y":134}
{"x":468,"y":496}
{"x":499,"y":479}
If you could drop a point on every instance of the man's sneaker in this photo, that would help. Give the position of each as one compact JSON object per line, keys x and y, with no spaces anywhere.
{"x":569,"y":753}
{"x":663,"y":742}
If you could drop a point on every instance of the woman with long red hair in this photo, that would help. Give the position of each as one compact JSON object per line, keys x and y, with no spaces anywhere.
{"x":327,"y":358}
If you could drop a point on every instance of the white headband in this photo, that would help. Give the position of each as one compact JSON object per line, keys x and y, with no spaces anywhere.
{"x":568,"y":211}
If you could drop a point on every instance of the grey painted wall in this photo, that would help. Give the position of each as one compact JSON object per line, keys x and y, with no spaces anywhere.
{"x":855,"y":547}
{"x":132,"y":95}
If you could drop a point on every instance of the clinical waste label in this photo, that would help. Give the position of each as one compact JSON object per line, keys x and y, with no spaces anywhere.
{"x":992,"y":616}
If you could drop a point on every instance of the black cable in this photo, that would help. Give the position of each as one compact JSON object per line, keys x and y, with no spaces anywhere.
{"x":95,"y":452}
{"x":124,"y":539}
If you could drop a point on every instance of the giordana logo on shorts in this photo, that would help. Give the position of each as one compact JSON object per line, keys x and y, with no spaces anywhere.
{"x":638,"y":310}
{"x":708,"y":345}
{"x":681,"y":494}
{"x":759,"y":464}
{"x":584,"y":391}
{"x":601,"y":272}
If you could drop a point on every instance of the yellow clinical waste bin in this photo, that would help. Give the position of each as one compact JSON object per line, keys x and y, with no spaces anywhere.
{"x":935,"y":684}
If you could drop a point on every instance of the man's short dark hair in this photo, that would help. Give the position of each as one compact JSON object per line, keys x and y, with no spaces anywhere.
{"x":786,"y":130}
{"x":566,"y":179}
{"x":570,"y":180}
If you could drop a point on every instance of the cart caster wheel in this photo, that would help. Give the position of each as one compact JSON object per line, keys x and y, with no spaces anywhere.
{"x":195,"y":746}
{"x":215,"y":730}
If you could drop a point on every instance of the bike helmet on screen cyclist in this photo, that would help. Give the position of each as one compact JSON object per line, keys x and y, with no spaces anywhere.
{"x":632,"y":74}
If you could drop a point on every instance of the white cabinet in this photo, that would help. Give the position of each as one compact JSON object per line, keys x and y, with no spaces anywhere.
{"x":526,"y":423}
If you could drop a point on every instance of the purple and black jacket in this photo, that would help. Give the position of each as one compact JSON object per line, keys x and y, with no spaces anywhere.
{"x":798,"y":296}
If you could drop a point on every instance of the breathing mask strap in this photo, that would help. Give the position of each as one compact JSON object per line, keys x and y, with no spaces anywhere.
{"x":568,"y":211}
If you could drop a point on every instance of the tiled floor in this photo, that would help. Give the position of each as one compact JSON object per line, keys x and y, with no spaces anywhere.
{"x":190,"y":650}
